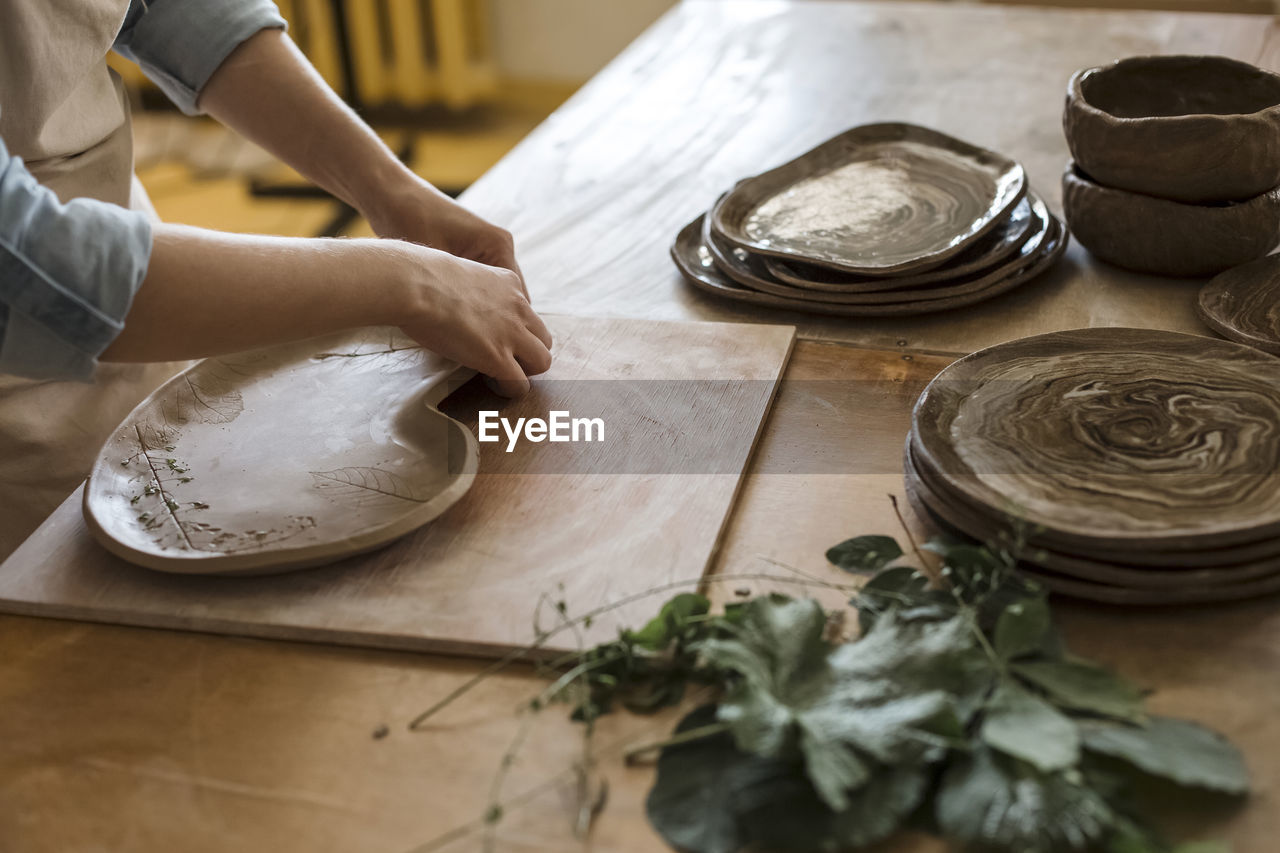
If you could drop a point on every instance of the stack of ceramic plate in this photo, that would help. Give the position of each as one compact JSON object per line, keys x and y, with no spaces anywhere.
{"x":1143,"y":466}
{"x":885,"y":219}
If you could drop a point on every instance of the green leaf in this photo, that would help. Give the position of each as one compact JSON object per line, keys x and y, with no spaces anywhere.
{"x":670,"y":621}
{"x":878,"y":808}
{"x":865,"y":553}
{"x":880,"y":700}
{"x":1025,"y":726}
{"x":989,"y":801}
{"x":1022,"y":628}
{"x":1083,"y":686}
{"x":710,"y":797}
{"x":904,"y":589}
{"x":1177,"y":750}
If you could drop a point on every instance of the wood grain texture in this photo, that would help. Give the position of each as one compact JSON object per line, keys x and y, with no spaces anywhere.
{"x":154,"y":741}
{"x":1243,"y":304}
{"x":584,"y":523}
{"x":1112,"y":438}
{"x":720,"y":90}
{"x":880,"y":199}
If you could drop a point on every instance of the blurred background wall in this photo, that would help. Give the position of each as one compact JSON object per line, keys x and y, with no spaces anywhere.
{"x":452,"y":85}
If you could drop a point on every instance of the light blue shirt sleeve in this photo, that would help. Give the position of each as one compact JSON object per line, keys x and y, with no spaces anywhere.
{"x":180,"y":43}
{"x":68,"y":273}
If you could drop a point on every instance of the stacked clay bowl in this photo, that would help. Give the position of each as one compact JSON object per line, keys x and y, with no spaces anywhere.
{"x":882,"y":220}
{"x":1139,"y":467}
{"x":1176,"y":163}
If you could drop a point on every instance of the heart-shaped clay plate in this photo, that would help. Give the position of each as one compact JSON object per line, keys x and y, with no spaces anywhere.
{"x":283,"y":458}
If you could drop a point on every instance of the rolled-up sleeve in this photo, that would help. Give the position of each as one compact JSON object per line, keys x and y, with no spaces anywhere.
{"x":180,"y":43}
{"x":68,"y":274}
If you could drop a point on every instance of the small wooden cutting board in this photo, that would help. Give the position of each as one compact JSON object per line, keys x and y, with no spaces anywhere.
{"x":547,"y":527}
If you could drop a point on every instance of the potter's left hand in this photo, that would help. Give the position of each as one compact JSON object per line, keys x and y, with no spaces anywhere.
{"x":417,"y":212}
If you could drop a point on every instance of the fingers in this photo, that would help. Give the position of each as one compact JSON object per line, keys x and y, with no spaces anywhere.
{"x":509,"y":380}
{"x":532,"y":355}
{"x":538,"y":328}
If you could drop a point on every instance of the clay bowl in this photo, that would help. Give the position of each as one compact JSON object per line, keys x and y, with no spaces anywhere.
{"x":1188,"y":128}
{"x":1155,"y":235}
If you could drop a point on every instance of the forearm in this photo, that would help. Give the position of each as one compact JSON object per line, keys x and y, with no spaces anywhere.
{"x":268,"y":92}
{"x":207,"y":292}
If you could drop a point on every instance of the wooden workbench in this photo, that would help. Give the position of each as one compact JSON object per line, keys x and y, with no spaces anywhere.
{"x":129,"y":739}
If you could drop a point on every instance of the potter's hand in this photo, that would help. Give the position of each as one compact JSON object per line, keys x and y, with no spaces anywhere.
{"x":415,"y":211}
{"x":475,"y":314}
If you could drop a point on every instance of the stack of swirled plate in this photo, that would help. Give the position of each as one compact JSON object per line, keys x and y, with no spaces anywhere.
{"x":1139,"y":467}
{"x":882,"y":220}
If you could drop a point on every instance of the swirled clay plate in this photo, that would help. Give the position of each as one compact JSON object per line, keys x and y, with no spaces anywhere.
{"x":983,"y":256}
{"x":1243,"y":304}
{"x":750,"y":271}
{"x":1076,"y":587}
{"x":283,"y":458}
{"x":1112,"y":438}
{"x":922,"y":489}
{"x":693,"y":259}
{"x":881,"y":199}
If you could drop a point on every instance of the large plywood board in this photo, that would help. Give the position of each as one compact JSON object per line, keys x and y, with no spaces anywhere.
{"x":583,"y":524}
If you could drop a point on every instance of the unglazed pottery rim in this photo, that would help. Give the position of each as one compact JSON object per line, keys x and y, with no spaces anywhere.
{"x":708,"y":278}
{"x":931,"y":424}
{"x":776,"y":181}
{"x":1076,"y":88}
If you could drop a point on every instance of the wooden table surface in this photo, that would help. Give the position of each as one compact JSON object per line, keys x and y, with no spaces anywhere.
{"x":118,"y":738}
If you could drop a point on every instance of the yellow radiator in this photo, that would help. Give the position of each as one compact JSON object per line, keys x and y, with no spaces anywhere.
{"x":406,"y":53}
{"x":410,"y":53}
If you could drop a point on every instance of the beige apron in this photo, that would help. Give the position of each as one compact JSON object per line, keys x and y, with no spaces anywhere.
{"x":65,"y":114}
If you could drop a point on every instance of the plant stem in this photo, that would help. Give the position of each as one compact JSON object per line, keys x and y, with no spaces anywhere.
{"x":926,"y":567}
{"x":632,"y":754}
{"x":517,"y":654}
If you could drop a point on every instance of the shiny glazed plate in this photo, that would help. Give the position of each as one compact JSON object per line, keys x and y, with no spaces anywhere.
{"x":283,"y":458}
{"x":751,"y":272}
{"x":984,"y":255}
{"x":695,"y":263}
{"x":881,"y":199}
{"x":1112,"y":438}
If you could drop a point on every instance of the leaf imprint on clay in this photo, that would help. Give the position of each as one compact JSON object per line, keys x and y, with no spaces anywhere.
{"x":204,"y":396}
{"x":363,"y":485}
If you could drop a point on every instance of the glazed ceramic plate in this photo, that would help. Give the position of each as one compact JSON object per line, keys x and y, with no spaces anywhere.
{"x":1111,"y":438}
{"x":1109,"y":594}
{"x":283,"y":458}
{"x":695,"y":263}
{"x":749,"y":270}
{"x":1006,"y":238}
{"x":1243,"y":304}
{"x":922,"y":490}
{"x":881,"y":199}
{"x":1259,"y":554}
